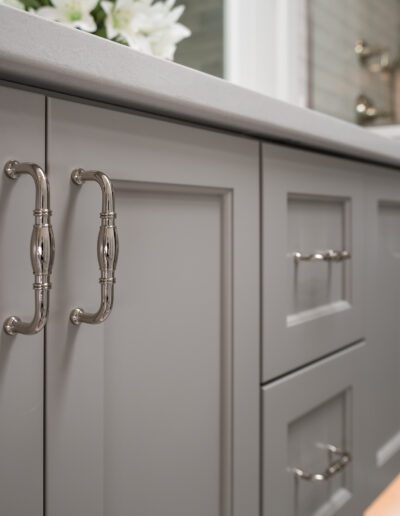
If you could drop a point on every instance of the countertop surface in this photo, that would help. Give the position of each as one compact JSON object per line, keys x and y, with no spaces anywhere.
{"x":44,"y":54}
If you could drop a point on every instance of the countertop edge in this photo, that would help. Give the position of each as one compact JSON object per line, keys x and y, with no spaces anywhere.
{"x":50,"y":56}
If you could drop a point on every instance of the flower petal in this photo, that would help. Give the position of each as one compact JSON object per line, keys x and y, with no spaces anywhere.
{"x":110,"y":29}
{"x":176,"y":13}
{"x":180,"y":32}
{"x":13,"y":3}
{"x":140,"y":43}
{"x":59,"y":4}
{"x":50,"y":13}
{"x":87,"y":23}
{"x":107,"y":6}
{"x":89,"y":5}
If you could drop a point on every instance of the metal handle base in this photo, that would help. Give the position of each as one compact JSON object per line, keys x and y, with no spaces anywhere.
{"x":41,"y":249}
{"x":107,"y":248}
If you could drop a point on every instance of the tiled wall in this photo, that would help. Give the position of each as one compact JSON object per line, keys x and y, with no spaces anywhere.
{"x":204,"y":49}
{"x":336,"y":77}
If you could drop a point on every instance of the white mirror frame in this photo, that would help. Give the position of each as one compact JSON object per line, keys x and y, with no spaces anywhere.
{"x":266,"y":47}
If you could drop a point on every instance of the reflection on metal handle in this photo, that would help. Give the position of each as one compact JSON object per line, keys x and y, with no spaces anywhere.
{"x":367,"y":112}
{"x":107,"y":248}
{"x":335,"y":467}
{"x":328,"y":255}
{"x":42,"y":249}
{"x":366,"y":55}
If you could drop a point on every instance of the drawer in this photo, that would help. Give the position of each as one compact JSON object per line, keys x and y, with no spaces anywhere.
{"x":303,"y":414}
{"x":312,"y":204}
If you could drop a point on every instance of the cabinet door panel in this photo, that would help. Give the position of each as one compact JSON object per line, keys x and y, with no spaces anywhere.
{"x":22,"y":128}
{"x":383,"y":302}
{"x":312,"y":204}
{"x":320,"y":405}
{"x":155,"y":412}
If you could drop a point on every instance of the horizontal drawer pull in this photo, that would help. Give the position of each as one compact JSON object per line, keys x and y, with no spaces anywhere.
{"x":329,"y":255}
{"x":334,"y":468}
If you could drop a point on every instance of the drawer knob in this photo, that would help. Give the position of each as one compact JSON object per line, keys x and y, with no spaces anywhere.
{"x":328,"y":255}
{"x":335,"y":466}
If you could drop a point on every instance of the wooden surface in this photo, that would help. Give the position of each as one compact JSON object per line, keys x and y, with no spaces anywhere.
{"x":388,"y":503}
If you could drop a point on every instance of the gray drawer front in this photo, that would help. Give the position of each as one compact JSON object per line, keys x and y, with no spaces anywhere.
{"x":303,"y":413}
{"x":311,"y":204}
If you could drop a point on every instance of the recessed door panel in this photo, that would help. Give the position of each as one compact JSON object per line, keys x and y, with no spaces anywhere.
{"x":315,"y":223}
{"x":155,"y":411}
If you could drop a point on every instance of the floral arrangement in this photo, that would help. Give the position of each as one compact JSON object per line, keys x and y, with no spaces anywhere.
{"x":149,"y":27}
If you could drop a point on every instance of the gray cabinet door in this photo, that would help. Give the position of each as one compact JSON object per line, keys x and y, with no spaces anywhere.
{"x":320,"y":405}
{"x":382,"y":322}
{"x":22,"y":129}
{"x":156,"y":411}
{"x":312,"y":204}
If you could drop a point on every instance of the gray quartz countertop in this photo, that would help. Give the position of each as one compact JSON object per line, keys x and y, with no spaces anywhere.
{"x":44,"y":54}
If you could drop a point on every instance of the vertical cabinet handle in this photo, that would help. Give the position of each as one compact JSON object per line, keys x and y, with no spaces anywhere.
{"x":41,"y":249}
{"x":107,"y":248}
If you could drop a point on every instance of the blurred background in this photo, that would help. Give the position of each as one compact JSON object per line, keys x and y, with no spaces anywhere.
{"x":338,"y":57}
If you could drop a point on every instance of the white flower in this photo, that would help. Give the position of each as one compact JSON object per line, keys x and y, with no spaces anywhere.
{"x":147,"y":27}
{"x":75,"y":13}
{"x":163,"y":30}
{"x":13,"y":3}
{"x":125,"y":17}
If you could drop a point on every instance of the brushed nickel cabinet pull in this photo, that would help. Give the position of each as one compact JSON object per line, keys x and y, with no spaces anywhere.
{"x":329,"y":255}
{"x":335,"y":467}
{"x":41,"y":249}
{"x":107,"y":248}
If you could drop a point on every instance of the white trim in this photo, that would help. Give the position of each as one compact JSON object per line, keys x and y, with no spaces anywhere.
{"x":388,"y":450}
{"x":266,"y":47}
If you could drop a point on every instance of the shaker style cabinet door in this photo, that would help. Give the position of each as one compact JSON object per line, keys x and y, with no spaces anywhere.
{"x":22,"y":129}
{"x":383,"y":323}
{"x":314,"y":461}
{"x":312,"y":257}
{"x":155,"y":411}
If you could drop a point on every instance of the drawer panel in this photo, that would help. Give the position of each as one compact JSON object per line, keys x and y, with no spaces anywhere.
{"x":304,"y":414}
{"x":314,"y":223}
{"x":312,"y":257}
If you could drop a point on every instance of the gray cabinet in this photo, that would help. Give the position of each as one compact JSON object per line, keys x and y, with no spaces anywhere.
{"x":382,"y":216}
{"x":155,"y":412}
{"x":22,"y":129}
{"x":319,"y":406}
{"x":312,"y":257}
